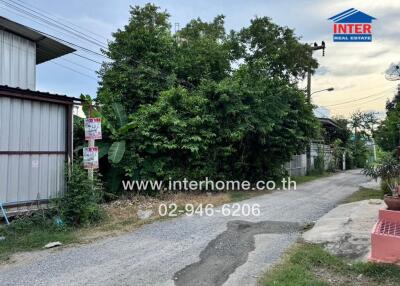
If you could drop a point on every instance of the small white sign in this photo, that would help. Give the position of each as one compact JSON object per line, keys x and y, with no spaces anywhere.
{"x":91,"y":157}
{"x":92,"y":128}
{"x":35,"y":164}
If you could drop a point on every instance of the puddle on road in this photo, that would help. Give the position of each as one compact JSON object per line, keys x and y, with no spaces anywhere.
{"x":228,"y":251}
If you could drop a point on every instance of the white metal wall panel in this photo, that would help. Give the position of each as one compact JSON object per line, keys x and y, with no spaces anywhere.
{"x":17,"y":61}
{"x":31,"y":126}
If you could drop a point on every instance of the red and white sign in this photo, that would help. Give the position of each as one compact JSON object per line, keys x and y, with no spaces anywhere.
{"x":91,"y":157}
{"x":92,"y":128}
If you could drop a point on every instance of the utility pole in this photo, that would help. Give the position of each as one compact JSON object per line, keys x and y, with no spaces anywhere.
{"x":315,"y":47}
{"x":90,"y":144}
{"x":398,"y":146}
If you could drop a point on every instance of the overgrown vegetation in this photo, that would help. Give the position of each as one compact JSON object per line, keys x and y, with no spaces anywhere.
{"x":387,"y":169}
{"x":79,"y":206}
{"x":203,"y":102}
{"x":310,"y":265}
{"x":79,"y":203}
{"x":363,"y":125}
{"x":387,"y":133}
{"x":33,"y":232}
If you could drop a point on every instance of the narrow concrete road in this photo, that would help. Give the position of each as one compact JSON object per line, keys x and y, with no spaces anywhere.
{"x":197,"y":250}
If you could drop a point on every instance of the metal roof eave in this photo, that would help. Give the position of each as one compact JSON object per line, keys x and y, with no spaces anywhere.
{"x":37,"y":95}
{"x":46,"y":47}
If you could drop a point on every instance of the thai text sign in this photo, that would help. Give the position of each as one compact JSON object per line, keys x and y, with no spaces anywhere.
{"x":91,"y":157}
{"x":92,"y":128}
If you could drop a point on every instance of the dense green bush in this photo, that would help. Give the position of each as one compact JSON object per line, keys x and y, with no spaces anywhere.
{"x":319,"y":165}
{"x":79,"y":203}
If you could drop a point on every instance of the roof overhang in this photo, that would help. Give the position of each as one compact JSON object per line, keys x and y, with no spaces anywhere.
{"x":14,"y":92}
{"x":46,"y":47}
{"x":329,"y":122}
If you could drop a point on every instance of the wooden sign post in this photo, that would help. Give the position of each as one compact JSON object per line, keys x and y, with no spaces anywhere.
{"x":91,"y":153}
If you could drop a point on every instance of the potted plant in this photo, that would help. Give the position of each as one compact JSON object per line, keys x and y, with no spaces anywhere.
{"x":388,"y":169}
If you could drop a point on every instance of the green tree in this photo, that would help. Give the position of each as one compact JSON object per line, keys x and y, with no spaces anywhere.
{"x":204,"y":51}
{"x":204,"y":103}
{"x":363,"y":124}
{"x":343,"y":133}
{"x":387,"y":134}
{"x":142,"y":60}
{"x":275,"y":51}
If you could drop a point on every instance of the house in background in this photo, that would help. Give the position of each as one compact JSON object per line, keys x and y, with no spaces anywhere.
{"x":35,"y":127}
{"x":298,"y":165}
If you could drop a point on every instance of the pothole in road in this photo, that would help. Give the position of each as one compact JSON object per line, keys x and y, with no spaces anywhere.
{"x":228,"y":251}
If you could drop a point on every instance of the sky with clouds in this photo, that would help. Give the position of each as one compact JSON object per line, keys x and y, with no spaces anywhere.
{"x":355,"y":70}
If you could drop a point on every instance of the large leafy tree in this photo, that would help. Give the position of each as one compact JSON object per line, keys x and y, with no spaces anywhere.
{"x":275,"y":51}
{"x":202,"y":102}
{"x":141,"y":60}
{"x":204,"y":51}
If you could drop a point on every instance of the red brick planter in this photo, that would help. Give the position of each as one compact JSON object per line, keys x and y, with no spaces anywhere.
{"x":385,"y":238}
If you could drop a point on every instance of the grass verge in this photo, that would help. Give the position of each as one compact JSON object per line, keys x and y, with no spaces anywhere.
{"x":310,"y":177}
{"x":364,"y":194}
{"x":310,"y":265}
{"x":32,"y":233}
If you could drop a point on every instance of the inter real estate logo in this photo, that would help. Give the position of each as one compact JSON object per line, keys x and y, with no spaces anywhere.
{"x":352,"y":26}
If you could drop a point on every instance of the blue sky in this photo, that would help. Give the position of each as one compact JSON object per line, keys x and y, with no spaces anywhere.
{"x":355,"y":70}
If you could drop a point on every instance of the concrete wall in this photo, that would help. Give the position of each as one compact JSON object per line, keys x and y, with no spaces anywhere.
{"x":298,"y":165}
{"x":17,"y":61}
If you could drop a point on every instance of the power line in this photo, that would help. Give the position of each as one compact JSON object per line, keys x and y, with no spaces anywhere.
{"x":71,"y":69}
{"x":62,"y":19}
{"x":59,"y":39}
{"x":86,"y":58}
{"x":48,"y":53}
{"x":77,"y":64}
{"x":75,"y":53}
{"x":159,"y":72}
{"x":70,"y":43}
{"x":374,"y":99}
{"x":355,"y":100}
{"x":52,"y":22}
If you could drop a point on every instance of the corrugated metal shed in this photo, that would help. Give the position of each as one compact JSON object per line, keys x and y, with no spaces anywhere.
{"x":17,"y":61}
{"x":35,"y":141}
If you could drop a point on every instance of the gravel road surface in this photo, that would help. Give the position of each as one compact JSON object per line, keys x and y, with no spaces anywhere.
{"x":198,"y":250}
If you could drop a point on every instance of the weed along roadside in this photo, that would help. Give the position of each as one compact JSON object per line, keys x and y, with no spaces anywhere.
{"x":188,"y":150}
{"x":32,"y":231}
{"x":324,"y":258}
{"x":308,"y":264}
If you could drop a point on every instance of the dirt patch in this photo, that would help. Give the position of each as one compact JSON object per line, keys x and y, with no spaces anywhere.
{"x":122,"y":215}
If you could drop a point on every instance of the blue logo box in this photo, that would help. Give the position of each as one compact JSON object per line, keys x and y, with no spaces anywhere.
{"x":352,"y":37}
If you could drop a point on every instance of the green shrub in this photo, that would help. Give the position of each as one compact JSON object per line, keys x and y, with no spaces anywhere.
{"x":385,"y":188}
{"x":41,"y":219}
{"x":319,"y":165}
{"x":79,"y":204}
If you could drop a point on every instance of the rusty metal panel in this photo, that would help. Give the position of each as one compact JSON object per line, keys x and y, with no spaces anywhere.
{"x":28,"y":127}
{"x":17,"y":61}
